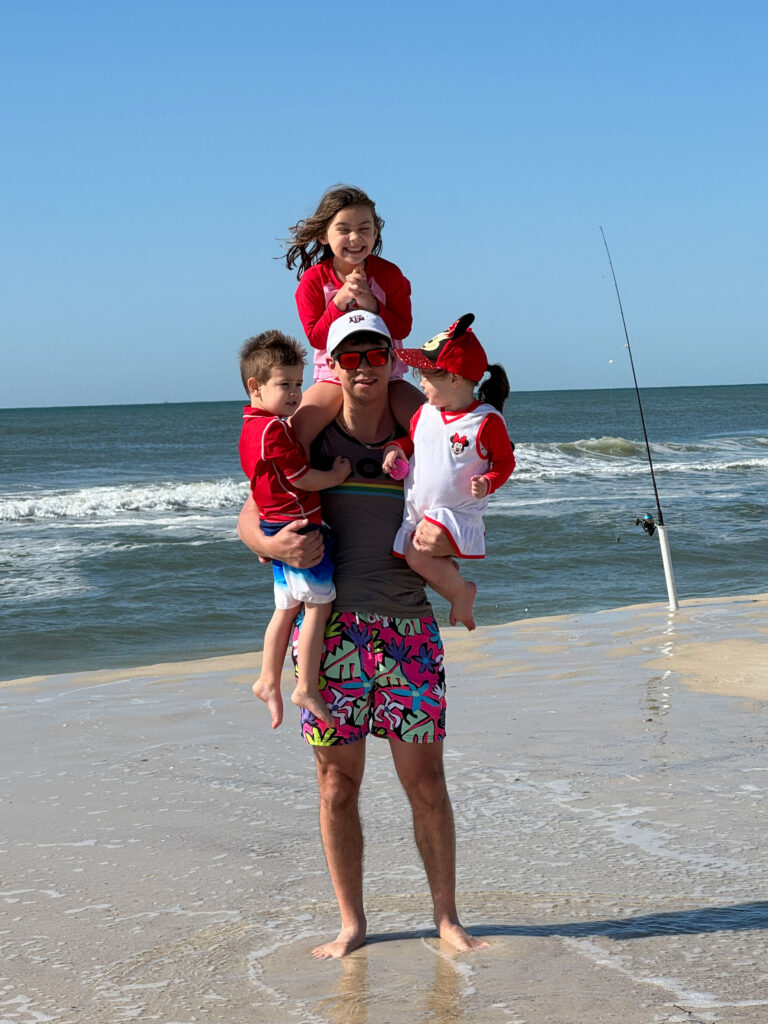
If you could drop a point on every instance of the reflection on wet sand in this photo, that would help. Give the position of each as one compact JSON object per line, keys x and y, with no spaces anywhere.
{"x":443,"y":1001}
{"x":428,"y":978}
{"x":349,"y":1002}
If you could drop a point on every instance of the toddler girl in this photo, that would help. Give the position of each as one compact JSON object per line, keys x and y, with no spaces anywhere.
{"x":460,"y":453}
{"x":336,"y":250}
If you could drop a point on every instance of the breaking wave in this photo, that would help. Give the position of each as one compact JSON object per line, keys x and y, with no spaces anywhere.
{"x":97,"y":502}
{"x":601,"y":458}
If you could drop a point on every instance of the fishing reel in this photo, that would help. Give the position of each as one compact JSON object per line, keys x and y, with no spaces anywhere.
{"x":648,"y":524}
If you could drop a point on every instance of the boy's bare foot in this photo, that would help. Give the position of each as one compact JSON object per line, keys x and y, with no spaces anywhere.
{"x":272,"y":698}
{"x":312,"y":701}
{"x":458,"y":937}
{"x":461,"y":609}
{"x":347,"y":940}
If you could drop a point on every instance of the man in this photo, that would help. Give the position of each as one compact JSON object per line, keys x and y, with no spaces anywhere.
{"x":391,"y":681}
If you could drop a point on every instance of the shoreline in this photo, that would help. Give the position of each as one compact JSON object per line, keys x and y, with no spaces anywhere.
{"x":732,"y":668}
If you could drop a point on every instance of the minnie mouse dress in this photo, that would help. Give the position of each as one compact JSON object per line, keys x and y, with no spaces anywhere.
{"x":449,"y":448}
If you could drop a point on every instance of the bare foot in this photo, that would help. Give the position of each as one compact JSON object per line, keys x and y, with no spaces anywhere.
{"x":312,"y":701}
{"x":458,"y":937}
{"x":461,"y":609}
{"x":272,"y":698}
{"x":347,"y":940}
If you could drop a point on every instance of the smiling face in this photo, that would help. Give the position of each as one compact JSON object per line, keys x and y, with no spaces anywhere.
{"x":281,"y":393}
{"x":351,"y":235}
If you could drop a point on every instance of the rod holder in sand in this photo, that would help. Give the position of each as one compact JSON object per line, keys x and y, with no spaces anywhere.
{"x":669,"y":572}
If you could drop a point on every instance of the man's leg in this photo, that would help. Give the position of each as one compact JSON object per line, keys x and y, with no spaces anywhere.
{"x":339,"y":774}
{"x":420,"y":770}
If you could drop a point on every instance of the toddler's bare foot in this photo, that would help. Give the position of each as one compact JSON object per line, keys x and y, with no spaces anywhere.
{"x":347,"y":940}
{"x":312,"y":701}
{"x":461,"y":609}
{"x":272,"y":698}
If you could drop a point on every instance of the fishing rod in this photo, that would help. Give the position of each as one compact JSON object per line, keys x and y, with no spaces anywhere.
{"x":647,"y":522}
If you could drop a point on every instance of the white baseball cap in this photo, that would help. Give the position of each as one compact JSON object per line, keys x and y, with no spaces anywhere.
{"x":355,"y":321}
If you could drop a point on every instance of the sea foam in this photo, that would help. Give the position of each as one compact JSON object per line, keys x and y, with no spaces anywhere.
{"x":93,"y":502}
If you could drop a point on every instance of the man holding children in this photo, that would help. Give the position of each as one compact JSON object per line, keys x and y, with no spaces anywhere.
{"x":381,"y":666}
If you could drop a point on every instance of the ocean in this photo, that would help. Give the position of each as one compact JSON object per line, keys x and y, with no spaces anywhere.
{"x":118,"y":522}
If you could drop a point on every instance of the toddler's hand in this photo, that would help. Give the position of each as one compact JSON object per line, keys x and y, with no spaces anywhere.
{"x":344,"y":298}
{"x":360,"y":292}
{"x":341,"y":468}
{"x":479,"y":486}
{"x":391,"y":458}
{"x":400,"y":469}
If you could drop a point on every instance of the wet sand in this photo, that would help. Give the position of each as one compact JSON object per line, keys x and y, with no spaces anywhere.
{"x":160,"y":854}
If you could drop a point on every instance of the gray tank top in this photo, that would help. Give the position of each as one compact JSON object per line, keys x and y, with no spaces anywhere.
{"x":365,"y":513}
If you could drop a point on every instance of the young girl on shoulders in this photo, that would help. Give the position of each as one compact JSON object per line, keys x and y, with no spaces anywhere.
{"x":460,"y":453}
{"x":337,"y":251}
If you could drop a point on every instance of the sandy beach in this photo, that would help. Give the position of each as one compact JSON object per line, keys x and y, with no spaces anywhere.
{"x":161,"y":857}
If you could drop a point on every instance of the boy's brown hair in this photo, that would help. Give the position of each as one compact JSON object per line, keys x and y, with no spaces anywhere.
{"x":260,"y":354}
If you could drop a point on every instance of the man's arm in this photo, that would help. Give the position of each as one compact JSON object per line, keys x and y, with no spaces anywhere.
{"x":301,"y":550}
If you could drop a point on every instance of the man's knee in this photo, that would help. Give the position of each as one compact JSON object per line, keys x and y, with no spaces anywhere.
{"x":338,"y":788}
{"x":427,"y":788}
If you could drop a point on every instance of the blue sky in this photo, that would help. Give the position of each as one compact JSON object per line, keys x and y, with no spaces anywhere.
{"x":154,"y":155}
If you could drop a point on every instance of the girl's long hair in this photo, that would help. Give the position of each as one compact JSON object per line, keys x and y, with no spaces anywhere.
{"x":305,"y":247}
{"x":495,"y":390}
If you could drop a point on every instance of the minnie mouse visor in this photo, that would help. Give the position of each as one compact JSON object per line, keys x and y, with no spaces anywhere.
{"x":456,"y":350}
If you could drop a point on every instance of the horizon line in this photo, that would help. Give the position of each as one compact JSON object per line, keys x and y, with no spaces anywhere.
{"x":226,"y":401}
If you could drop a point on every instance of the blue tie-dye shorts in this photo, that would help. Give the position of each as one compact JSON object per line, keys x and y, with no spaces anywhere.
{"x":294,"y":587}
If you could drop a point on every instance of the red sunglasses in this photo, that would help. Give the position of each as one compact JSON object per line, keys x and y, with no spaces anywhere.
{"x":374,"y":357}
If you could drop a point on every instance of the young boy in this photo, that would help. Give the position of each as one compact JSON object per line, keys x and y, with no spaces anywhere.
{"x":284,"y":488}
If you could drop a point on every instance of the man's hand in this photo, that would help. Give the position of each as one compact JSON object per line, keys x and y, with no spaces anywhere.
{"x":301,"y":550}
{"x":431,"y":540}
{"x":479,"y":486}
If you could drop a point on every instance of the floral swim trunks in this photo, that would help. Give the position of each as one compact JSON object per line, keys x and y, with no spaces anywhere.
{"x":379,"y":675}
